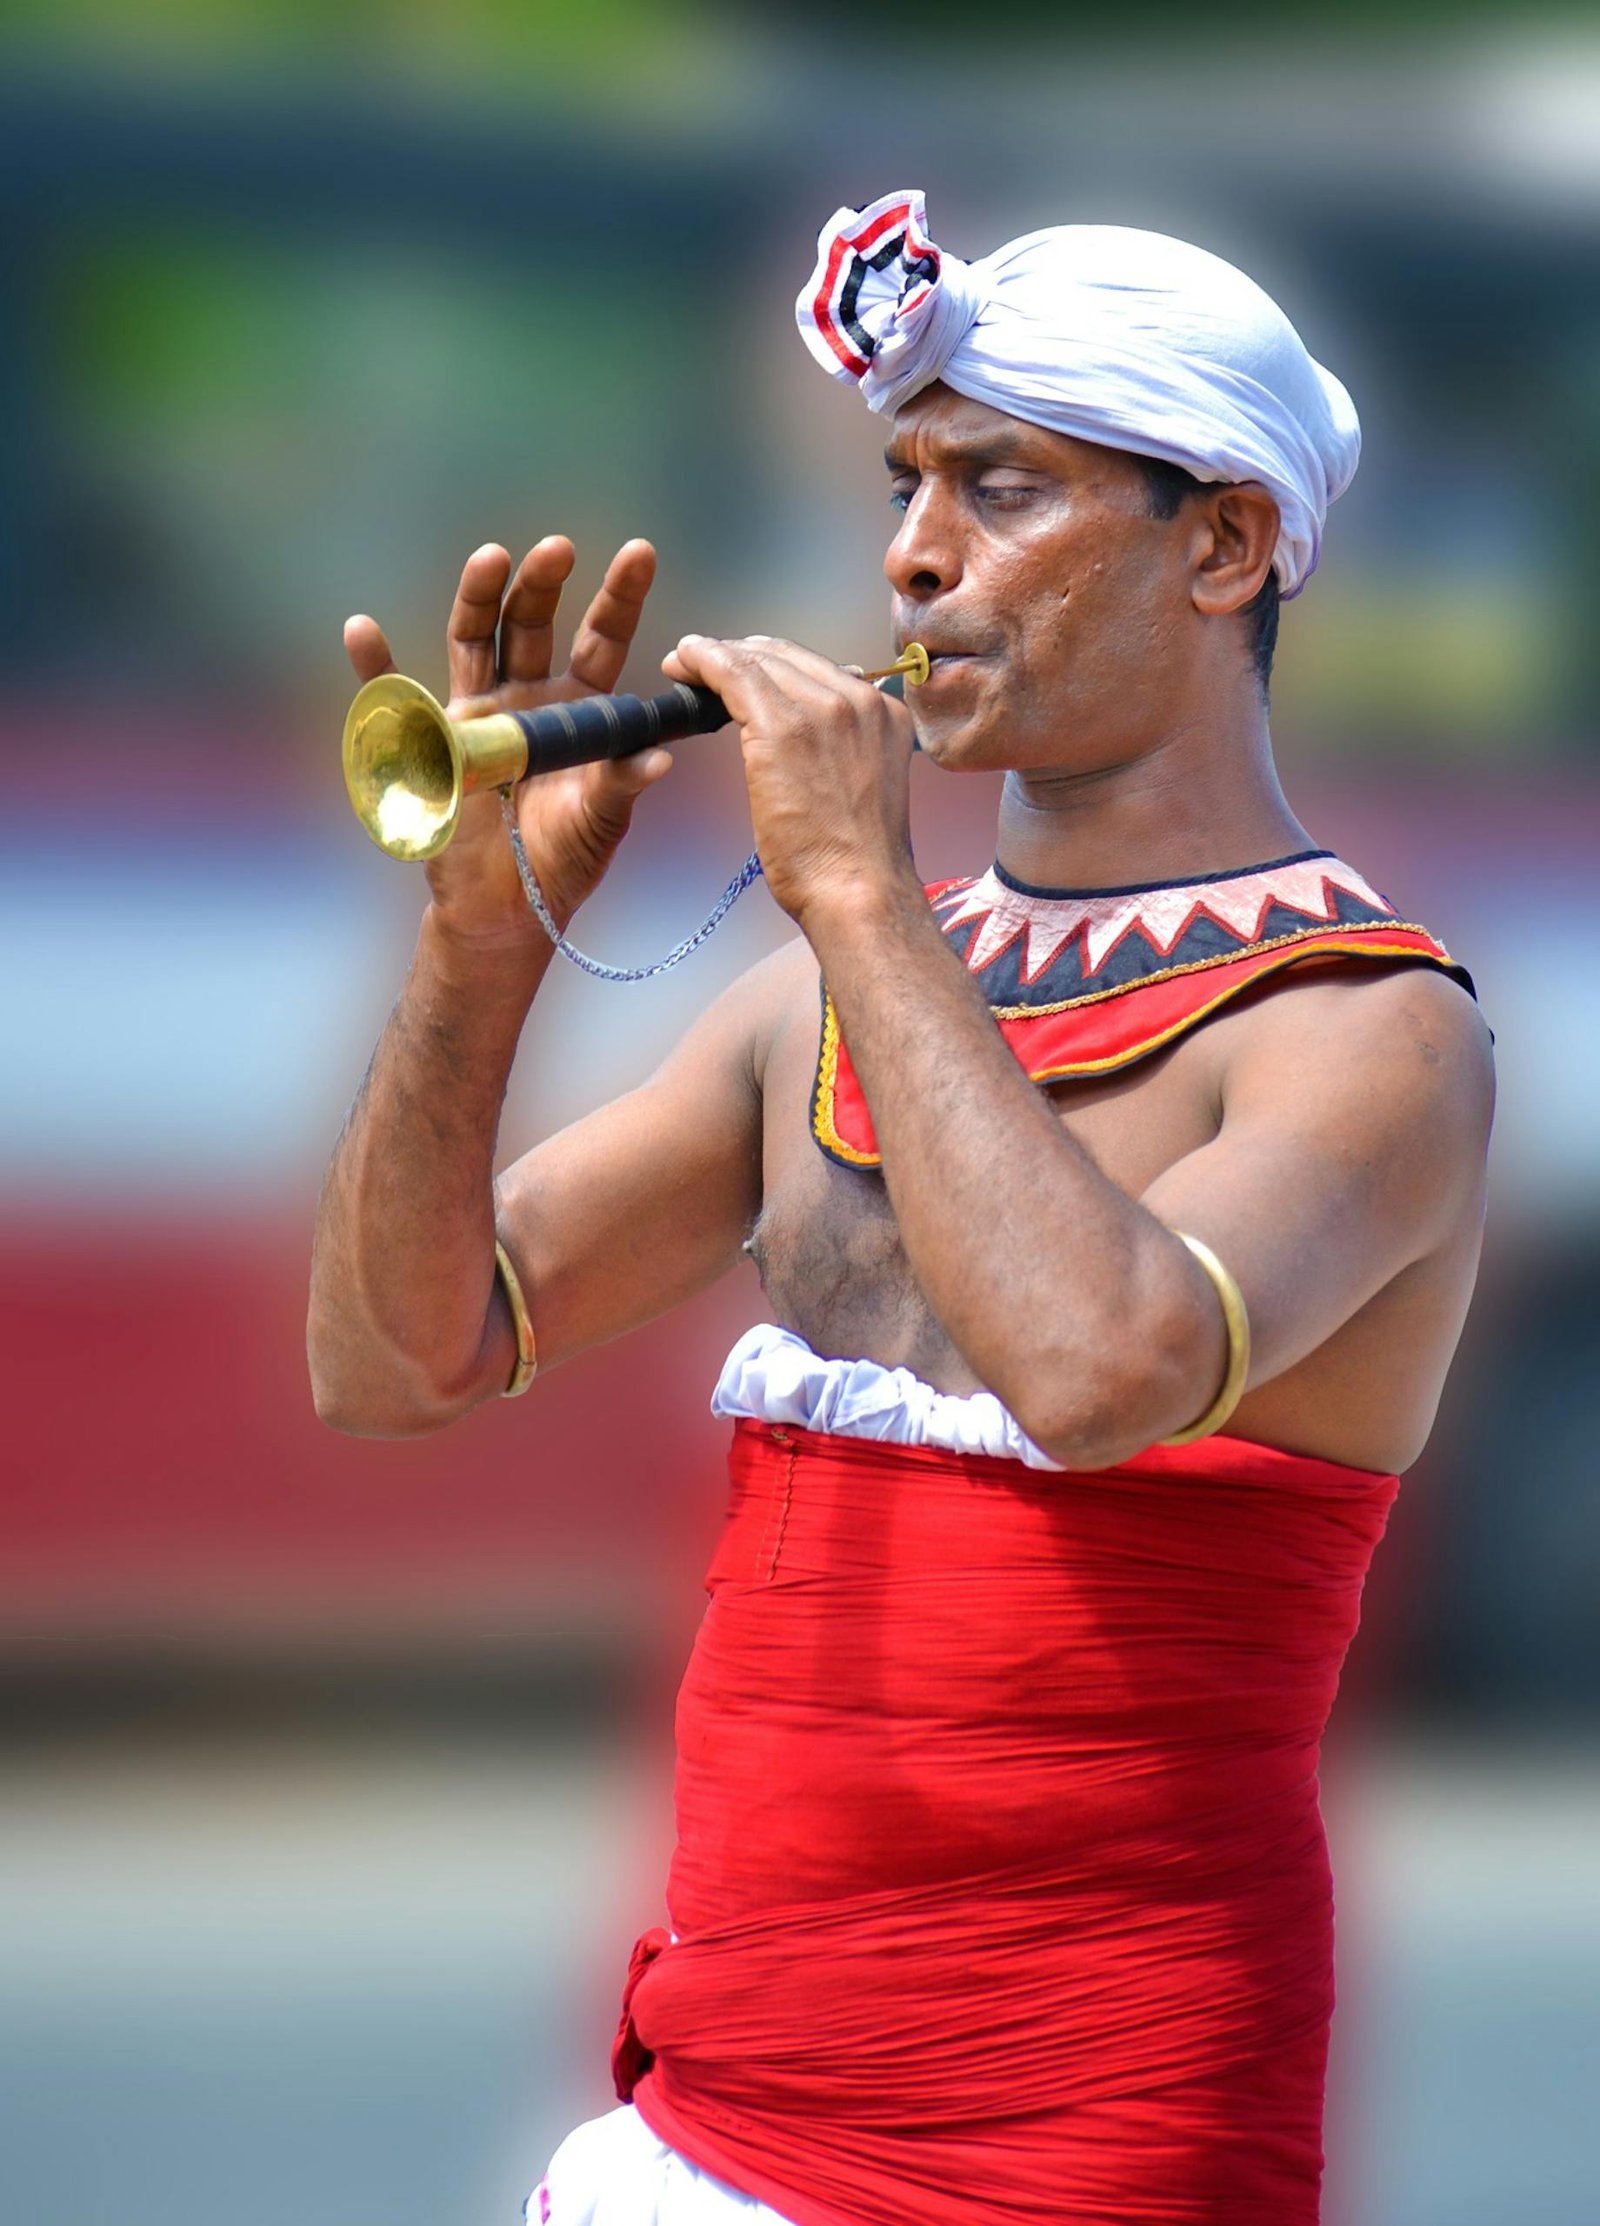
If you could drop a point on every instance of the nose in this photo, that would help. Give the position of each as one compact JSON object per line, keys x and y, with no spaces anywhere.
{"x":924,"y":558}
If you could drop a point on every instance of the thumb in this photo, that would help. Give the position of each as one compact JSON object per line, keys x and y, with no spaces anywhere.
{"x":645,"y":768}
{"x":612,"y":786}
{"x":631,"y":776}
{"x":366,"y":647}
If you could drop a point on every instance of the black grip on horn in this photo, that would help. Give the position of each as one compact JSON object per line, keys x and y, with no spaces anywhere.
{"x":594,"y":727}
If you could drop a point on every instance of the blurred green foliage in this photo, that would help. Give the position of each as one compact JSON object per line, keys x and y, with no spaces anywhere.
{"x":602,"y":42}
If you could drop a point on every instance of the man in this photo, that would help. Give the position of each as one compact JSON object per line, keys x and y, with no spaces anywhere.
{"x":1118,"y":1225}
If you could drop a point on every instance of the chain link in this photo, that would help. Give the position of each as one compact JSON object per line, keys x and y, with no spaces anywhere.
{"x":748,"y":872}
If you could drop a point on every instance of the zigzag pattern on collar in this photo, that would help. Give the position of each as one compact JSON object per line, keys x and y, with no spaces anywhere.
{"x":1084,"y":982}
{"x":1036,"y":947}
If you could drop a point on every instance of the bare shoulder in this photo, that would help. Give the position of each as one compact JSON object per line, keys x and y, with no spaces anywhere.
{"x":738,"y":1027}
{"x":1406,"y":1014}
{"x":792,"y":967}
{"x":787,"y":987}
{"x":1399,"y":1050}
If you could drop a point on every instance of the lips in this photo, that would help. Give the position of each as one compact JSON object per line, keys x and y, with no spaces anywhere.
{"x":947,"y":663}
{"x":951,"y":653}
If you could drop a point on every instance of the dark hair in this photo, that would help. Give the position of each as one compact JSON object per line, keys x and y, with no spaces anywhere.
{"x":1168,"y":487}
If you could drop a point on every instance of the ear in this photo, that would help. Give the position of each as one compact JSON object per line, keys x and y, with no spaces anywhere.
{"x":1235,"y":555}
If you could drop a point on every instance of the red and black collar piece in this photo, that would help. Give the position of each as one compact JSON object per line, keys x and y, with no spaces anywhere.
{"x":1082,"y":982}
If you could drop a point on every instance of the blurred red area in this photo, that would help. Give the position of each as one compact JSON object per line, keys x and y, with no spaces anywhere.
{"x":169,"y":1472}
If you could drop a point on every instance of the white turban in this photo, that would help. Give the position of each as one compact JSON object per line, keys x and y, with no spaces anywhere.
{"x":1124,"y":338}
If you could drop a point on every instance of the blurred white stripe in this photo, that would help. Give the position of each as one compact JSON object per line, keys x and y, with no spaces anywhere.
{"x":179,"y":1023}
{"x":192,"y":1022}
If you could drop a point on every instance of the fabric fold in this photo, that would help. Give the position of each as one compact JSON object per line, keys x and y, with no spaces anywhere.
{"x":1125,"y":338}
{"x":1001,"y":1889}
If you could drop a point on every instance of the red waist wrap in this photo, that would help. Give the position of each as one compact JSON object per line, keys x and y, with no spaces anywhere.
{"x":1001,"y":1891}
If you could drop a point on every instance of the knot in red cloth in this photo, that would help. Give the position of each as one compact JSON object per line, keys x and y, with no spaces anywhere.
{"x":630,"y":2059}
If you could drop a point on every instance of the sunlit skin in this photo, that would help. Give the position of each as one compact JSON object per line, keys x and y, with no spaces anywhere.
{"x":1325,"y":1137}
{"x":1092,"y":662}
{"x":1057,"y":606}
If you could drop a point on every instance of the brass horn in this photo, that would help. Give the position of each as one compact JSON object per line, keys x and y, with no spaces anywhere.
{"x":408,"y":764}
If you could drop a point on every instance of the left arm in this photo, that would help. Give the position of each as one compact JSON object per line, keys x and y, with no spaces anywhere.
{"x":1354,"y":1119}
{"x":1349,"y":1129}
{"x":1066,"y":1297}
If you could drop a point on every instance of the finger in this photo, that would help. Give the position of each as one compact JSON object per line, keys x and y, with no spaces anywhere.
{"x":691,"y":659}
{"x":474,"y":615}
{"x":764,"y":681}
{"x":527,"y":623}
{"x":367,"y":648}
{"x":753,"y":672}
{"x":765,"y":653}
{"x":630,"y":776}
{"x":613,"y":786}
{"x":612,"y":619}
{"x":809,"y":661}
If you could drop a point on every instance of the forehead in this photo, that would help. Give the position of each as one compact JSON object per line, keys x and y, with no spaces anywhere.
{"x":939,"y":426}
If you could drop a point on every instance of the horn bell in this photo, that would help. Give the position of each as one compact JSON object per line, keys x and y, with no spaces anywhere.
{"x":407,"y":765}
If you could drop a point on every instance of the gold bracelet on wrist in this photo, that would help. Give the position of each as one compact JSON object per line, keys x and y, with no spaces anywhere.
{"x":1236,"y":1317}
{"x":527,"y":1352}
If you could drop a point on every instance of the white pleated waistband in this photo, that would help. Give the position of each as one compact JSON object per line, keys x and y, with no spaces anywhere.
{"x":772,"y":1375}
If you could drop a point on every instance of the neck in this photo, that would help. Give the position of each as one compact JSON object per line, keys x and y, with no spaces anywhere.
{"x":1196,"y":803}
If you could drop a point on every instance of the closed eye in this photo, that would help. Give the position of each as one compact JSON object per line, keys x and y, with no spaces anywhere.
{"x":993,"y":494}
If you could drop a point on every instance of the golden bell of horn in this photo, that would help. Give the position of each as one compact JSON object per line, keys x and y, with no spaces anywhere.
{"x":407,"y":764}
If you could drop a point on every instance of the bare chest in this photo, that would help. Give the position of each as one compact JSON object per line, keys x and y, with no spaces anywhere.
{"x":827,"y":1245}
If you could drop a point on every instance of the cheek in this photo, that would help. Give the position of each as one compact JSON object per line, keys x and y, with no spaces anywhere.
{"x":1060,"y":618}
{"x":1111,"y":608}
{"x":1058,"y":578}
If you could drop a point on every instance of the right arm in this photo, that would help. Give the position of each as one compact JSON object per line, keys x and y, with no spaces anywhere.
{"x":402,"y":1332}
{"x":606,"y":1224}
{"x":609,"y":1223}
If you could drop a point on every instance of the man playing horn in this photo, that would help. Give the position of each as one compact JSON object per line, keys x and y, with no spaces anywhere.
{"x":1116,"y":1224}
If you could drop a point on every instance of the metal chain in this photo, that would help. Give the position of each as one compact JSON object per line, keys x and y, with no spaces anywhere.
{"x":748,"y":872}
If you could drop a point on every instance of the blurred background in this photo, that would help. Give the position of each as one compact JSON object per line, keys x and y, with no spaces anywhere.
{"x":335,"y":1775}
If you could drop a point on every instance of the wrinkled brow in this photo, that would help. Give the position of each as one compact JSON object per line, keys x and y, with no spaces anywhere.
{"x":999,"y":447}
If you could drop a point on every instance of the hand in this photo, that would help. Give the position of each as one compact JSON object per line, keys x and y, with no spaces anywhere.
{"x":572,"y":822}
{"x":826,"y":761}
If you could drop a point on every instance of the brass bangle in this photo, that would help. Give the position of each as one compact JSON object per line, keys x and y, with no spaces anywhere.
{"x":527,"y":1352}
{"x":1235,"y":1315}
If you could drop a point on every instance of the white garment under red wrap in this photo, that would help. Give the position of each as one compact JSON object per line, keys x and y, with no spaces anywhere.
{"x":614,"y":2171}
{"x":772,"y":1375}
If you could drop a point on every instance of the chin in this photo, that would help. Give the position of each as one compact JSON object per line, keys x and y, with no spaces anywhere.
{"x":963,"y":746}
{"x":960,"y":744}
